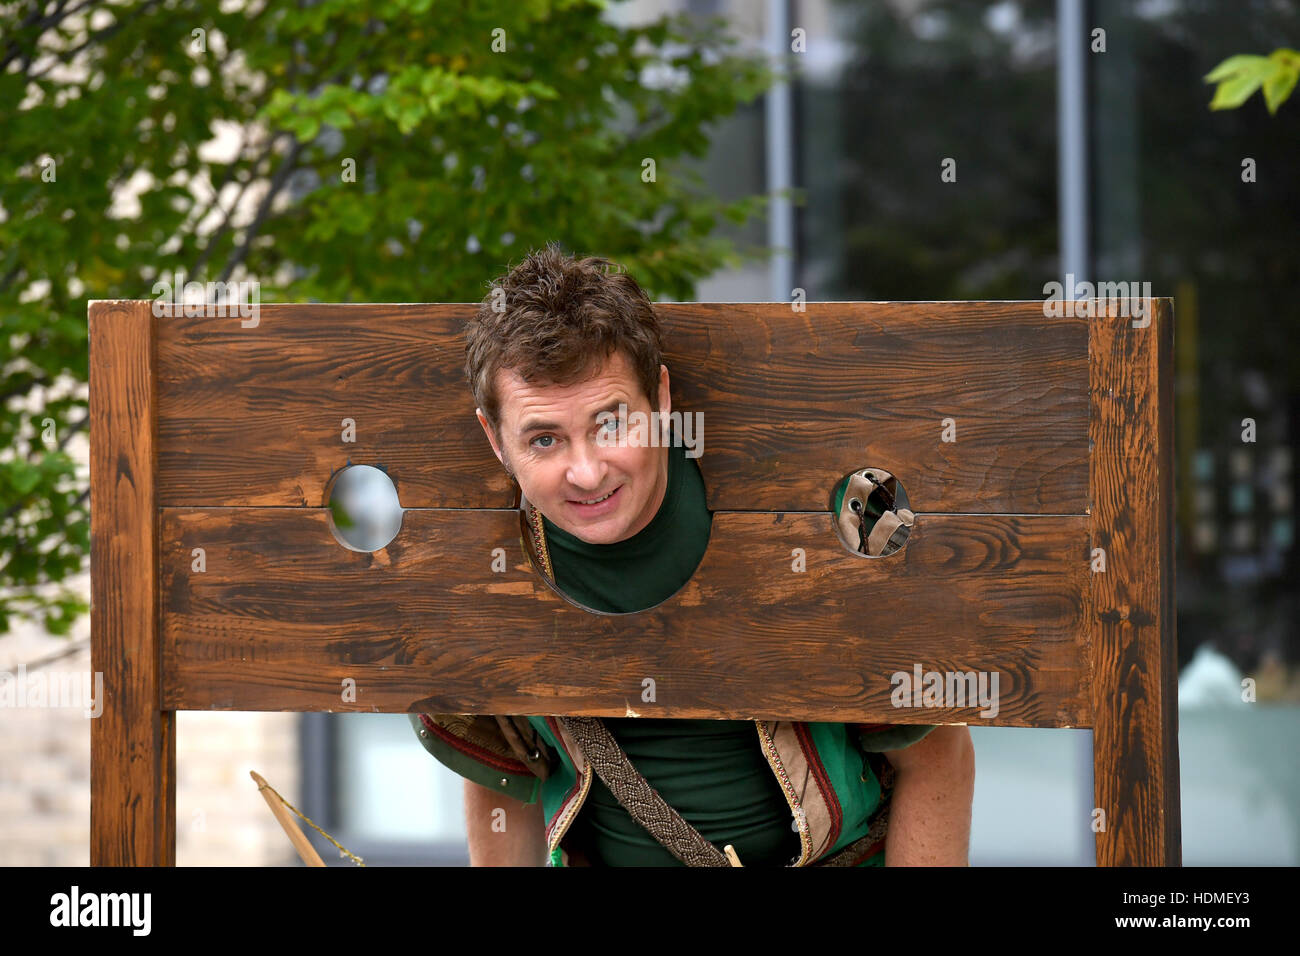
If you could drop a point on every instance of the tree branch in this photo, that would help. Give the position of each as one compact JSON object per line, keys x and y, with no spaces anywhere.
{"x":53,"y":20}
{"x":9,"y":278}
{"x":74,"y":648}
{"x":211,"y":245}
{"x":66,"y":57}
{"x":25,"y":387}
{"x":72,"y":430}
{"x":263,"y":209}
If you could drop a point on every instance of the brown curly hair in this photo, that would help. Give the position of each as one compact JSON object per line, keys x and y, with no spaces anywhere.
{"x":555,"y":319}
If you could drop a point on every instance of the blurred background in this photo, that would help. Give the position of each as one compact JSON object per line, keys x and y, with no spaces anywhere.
{"x":798,"y":145}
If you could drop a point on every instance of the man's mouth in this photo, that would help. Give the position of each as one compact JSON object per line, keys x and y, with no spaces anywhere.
{"x":594,"y":502}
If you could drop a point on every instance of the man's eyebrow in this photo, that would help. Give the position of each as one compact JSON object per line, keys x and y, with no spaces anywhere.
{"x":535,"y":426}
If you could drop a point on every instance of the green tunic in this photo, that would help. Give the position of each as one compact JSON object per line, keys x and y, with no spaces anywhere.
{"x":712,"y":772}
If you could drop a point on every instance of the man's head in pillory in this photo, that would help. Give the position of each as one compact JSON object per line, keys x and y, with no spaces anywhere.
{"x":553,"y":351}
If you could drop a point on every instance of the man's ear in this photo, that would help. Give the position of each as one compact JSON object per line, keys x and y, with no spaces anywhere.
{"x":665,"y":398}
{"x":487,"y":430}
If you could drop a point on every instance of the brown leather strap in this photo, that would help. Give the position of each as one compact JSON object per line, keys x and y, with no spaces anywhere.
{"x":526,"y":743}
{"x":641,"y":800}
{"x":644,"y":804}
{"x":853,"y":512}
{"x":859,"y":489}
{"x":857,"y":851}
{"x":882,"y":532}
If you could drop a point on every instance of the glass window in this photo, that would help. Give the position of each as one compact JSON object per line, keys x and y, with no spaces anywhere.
{"x":370,"y":784}
{"x":1204,"y":205}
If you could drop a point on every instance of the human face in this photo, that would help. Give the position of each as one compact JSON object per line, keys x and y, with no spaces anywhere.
{"x":549,"y":440}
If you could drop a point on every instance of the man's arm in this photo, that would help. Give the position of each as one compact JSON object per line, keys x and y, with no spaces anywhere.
{"x":522,"y":842}
{"x":934,"y":784}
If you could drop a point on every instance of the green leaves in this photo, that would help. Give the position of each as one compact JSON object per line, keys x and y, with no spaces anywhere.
{"x":23,"y":477}
{"x":1240,"y":76}
{"x":449,"y":160}
{"x":20,"y":476}
{"x":1278,"y":86}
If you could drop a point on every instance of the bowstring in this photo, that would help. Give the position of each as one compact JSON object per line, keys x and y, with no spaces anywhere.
{"x":342,"y":850}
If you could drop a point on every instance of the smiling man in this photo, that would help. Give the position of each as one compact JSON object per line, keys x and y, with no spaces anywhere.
{"x":599,"y":491}
{"x":555,"y":356}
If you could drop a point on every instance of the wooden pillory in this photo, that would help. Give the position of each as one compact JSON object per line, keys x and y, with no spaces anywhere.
{"x":212,"y":445}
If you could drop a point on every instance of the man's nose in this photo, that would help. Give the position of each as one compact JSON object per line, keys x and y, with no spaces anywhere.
{"x":586,"y":468}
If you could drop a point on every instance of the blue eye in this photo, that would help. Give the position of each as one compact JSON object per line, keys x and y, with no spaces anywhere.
{"x":540,"y":437}
{"x":616,"y":422}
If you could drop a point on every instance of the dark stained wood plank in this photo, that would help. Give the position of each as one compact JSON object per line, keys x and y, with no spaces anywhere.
{"x":132,"y":752}
{"x":1135,"y":688}
{"x":253,"y":416}
{"x":283,"y":614}
{"x":991,"y":580}
{"x":887,"y":374}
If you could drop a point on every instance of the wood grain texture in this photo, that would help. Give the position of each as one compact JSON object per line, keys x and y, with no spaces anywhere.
{"x":227,"y":442}
{"x":254,"y":416}
{"x":133,"y":744}
{"x":1135,"y":659}
{"x":282,"y":615}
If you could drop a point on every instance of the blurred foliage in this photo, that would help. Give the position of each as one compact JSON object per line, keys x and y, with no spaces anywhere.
{"x":1240,"y":76}
{"x":465,"y":157}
